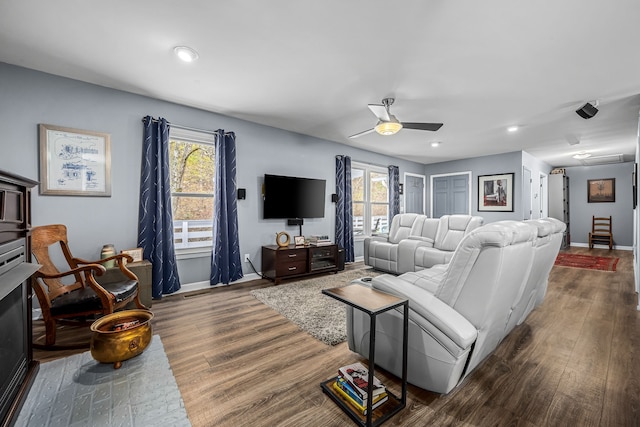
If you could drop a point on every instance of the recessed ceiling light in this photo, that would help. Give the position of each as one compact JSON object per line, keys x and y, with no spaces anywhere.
{"x":186,"y":53}
{"x":435,"y":144}
{"x":582,"y":155}
{"x":512,"y":129}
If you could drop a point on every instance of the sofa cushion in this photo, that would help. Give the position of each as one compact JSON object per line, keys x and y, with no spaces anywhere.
{"x":401,"y":226}
{"x":452,"y":229}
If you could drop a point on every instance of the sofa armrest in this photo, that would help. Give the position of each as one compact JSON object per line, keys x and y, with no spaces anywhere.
{"x":428,"y":241}
{"x":430,"y":309}
{"x":367,"y":241}
{"x":407,"y":250}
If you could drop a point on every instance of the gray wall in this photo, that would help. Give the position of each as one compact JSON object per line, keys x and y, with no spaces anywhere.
{"x":491,"y":165}
{"x":29,"y":97}
{"x":580,"y":211}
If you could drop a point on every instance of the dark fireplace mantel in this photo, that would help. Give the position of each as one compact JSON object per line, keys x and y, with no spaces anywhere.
{"x":16,"y":352}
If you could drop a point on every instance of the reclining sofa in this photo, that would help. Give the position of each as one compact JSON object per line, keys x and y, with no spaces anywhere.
{"x":416,"y":242}
{"x":460,"y":312}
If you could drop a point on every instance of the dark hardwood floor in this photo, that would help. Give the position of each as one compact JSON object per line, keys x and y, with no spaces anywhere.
{"x":574,"y":362}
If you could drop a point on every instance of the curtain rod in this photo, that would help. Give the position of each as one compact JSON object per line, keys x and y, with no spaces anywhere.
{"x":212,"y":132}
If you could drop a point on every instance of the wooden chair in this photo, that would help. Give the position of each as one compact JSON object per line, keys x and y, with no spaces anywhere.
{"x":601,"y":232}
{"x":84,"y":299}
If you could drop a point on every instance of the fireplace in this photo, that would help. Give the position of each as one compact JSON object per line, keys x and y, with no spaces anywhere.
{"x":16,"y":353}
{"x":14,"y":318}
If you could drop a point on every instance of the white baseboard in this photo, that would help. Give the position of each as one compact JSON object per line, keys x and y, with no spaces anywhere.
{"x":198,"y":286}
{"x":586,"y":245}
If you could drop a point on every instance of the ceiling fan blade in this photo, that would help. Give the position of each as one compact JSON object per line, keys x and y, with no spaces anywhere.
{"x":362,"y":133}
{"x":380,"y":111}
{"x":422,"y":126}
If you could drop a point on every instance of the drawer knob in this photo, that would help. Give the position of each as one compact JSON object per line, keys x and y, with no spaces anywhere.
{"x":292,"y":268}
{"x":292,"y":255}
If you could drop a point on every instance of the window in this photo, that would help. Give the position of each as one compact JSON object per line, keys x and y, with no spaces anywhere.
{"x":192,"y":168}
{"x":370,"y":194}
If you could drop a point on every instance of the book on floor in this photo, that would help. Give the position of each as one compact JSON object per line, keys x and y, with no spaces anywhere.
{"x":357,"y":403}
{"x":358,"y":377}
{"x":344,"y":385}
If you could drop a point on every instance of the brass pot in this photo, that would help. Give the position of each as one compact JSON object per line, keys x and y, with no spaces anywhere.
{"x":120,"y":336}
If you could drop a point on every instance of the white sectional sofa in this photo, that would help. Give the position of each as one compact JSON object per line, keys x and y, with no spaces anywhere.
{"x":461,"y":311}
{"x":416,"y":242}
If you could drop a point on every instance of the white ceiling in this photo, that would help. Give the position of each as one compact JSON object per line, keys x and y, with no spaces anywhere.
{"x":312,"y":67}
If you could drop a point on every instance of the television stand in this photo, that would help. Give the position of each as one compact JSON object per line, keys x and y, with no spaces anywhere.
{"x":297,"y":261}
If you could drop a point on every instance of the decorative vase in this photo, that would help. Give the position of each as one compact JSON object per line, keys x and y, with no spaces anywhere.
{"x":108,"y":251}
{"x":120,"y":336}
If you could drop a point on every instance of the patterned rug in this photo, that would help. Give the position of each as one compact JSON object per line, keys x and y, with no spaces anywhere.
{"x":303,"y":303}
{"x":78,"y":391}
{"x":587,"y":261}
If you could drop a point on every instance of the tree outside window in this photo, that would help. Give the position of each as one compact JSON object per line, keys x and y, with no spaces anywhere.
{"x":192,"y":171}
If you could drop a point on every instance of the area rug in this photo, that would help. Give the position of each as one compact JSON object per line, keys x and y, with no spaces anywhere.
{"x":587,"y":261}
{"x":303,"y":303}
{"x":77,"y":390}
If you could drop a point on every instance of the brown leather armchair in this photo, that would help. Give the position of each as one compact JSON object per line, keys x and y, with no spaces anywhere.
{"x":84,"y":299}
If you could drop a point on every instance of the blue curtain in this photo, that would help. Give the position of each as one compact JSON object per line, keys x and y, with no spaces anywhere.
{"x":225,"y":258}
{"x":344,"y":209}
{"x":155,"y":223}
{"x":394,"y":192}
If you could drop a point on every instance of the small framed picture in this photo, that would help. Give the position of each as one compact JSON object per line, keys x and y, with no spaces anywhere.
{"x":136,"y":254}
{"x":601,"y":190}
{"x":299,"y":240}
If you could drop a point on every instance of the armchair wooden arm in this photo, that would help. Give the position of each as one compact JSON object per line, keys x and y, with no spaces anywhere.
{"x":119,"y":258}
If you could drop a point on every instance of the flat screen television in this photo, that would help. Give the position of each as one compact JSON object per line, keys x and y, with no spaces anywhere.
{"x":293,"y":197}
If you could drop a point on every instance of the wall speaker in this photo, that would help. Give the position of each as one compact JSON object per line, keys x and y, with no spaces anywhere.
{"x":242,"y":193}
{"x":334,"y":198}
{"x":587,"y":111}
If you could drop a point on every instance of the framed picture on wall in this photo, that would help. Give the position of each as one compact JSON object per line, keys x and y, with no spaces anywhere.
{"x":601,"y":190}
{"x":495,"y":193}
{"x":74,"y":162}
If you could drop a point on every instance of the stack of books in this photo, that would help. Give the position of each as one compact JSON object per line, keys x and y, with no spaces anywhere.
{"x":352,"y":384}
{"x":319,"y":240}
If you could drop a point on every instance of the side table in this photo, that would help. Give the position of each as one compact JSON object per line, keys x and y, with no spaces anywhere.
{"x":372,"y":302}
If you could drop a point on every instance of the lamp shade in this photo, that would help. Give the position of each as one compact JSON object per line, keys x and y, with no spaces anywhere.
{"x":388,"y":128}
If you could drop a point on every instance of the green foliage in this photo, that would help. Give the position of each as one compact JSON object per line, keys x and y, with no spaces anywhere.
{"x":192,"y":167}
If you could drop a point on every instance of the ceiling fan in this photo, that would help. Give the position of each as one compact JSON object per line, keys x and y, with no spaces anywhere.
{"x":388,"y":124}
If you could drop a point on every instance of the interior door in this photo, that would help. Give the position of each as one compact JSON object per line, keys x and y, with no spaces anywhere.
{"x":544,"y":198}
{"x":414,"y":193}
{"x":450,"y":195}
{"x":526,"y":193}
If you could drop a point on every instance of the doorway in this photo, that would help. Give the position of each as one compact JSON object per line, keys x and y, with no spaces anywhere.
{"x":527,"y":182}
{"x":451,"y":194}
{"x":414,"y":193}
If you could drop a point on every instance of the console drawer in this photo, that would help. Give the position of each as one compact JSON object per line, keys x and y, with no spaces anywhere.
{"x":291,"y":255}
{"x":291,"y":268}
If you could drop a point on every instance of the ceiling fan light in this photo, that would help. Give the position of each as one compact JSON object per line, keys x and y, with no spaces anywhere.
{"x":185,"y":53}
{"x":388,"y":128}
